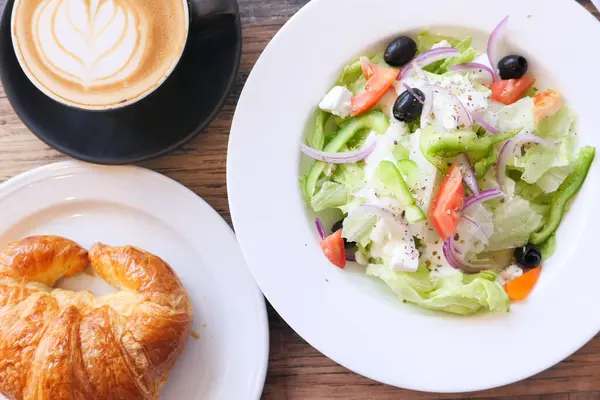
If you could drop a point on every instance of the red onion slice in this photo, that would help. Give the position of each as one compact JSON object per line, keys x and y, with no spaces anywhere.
{"x":457,"y":261}
{"x":453,"y":255}
{"x":347,"y":157}
{"x":508,"y":151}
{"x":428,"y":57}
{"x":320,"y":228}
{"x":467,"y":173}
{"x":411,"y":91}
{"x":463,"y":115}
{"x":488,"y":127}
{"x":492,"y":46}
{"x":450,"y":257}
{"x":481,"y":72}
{"x":481,"y":197}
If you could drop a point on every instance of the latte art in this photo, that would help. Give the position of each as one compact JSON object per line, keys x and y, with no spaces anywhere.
{"x":98,"y":54}
{"x":90,"y":42}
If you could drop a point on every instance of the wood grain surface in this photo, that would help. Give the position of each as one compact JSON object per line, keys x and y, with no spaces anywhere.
{"x":296,"y":370}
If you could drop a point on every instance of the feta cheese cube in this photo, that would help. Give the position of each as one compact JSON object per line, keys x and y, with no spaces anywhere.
{"x":404,"y":258}
{"x":509,"y":273}
{"x":337,"y":102}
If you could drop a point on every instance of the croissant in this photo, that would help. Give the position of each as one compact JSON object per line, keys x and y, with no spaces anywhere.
{"x":57,"y":344}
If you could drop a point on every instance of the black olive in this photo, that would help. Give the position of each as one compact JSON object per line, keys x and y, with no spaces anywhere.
{"x":407,"y":108}
{"x":400,"y":51}
{"x":528,"y":256}
{"x":512,"y":67}
{"x":336,"y":227}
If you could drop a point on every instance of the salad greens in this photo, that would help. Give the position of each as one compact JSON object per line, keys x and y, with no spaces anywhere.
{"x":458,"y":293}
{"x":561,"y":197}
{"x":437,"y":146}
{"x":460,"y":173}
{"x":373,"y":120}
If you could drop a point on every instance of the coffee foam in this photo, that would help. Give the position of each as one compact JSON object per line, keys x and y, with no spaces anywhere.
{"x":99,"y":52}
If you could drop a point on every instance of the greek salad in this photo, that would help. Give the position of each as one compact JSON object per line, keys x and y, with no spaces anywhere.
{"x":449,"y":171}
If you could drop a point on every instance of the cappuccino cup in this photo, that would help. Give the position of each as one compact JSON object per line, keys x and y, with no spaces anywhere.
{"x":106,"y":54}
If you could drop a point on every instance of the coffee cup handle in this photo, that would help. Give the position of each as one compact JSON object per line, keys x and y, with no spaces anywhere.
{"x":210,"y":15}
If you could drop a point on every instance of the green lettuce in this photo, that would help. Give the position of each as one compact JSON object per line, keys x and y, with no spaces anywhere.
{"x":358,"y":225}
{"x":514,"y":221}
{"x":539,"y":159}
{"x":517,"y":116}
{"x":531,"y":193}
{"x":330,"y":195}
{"x":350,"y":175}
{"x":425,"y":40}
{"x":553,"y":178}
{"x":468,"y":54}
{"x":458,"y":293}
{"x":350,"y":73}
{"x":352,"y":77}
{"x":437,"y":146}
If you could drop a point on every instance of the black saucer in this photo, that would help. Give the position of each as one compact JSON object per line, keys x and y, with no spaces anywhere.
{"x":175,"y":113}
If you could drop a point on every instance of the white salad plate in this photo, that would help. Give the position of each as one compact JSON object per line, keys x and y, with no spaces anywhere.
{"x":135,"y":206}
{"x":350,"y":317}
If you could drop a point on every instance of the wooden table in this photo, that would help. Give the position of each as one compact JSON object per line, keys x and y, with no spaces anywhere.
{"x":296,"y":370}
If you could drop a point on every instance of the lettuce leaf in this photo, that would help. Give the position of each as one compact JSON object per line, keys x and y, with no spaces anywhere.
{"x":531,"y":193}
{"x":350,"y":175}
{"x":330,"y":195}
{"x":426,"y":40}
{"x":468,"y":54}
{"x":458,"y":293}
{"x":518,"y":115}
{"x":538,"y":159}
{"x":553,"y":178}
{"x":358,"y":225}
{"x":514,"y":221}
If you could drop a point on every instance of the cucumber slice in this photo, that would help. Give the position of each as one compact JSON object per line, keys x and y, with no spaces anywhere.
{"x":414,"y":214}
{"x":410,"y":172}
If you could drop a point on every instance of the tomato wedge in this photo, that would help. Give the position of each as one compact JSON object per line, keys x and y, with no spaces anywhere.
{"x":333,"y":247}
{"x":546,"y":104}
{"x":510,"y":90}
{"x":519,"y":288}
{"x":448,"y":205}
{"x":380,"y":80}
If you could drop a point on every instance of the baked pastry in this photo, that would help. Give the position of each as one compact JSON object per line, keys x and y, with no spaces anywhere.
{"x":57,"y":344}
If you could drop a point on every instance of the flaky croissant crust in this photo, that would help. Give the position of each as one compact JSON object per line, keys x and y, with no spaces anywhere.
{"x":57,"y":344}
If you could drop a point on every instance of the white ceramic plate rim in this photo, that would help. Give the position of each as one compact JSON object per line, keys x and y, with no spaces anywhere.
{"x":191,"y":208}
{"x":348,"y":317}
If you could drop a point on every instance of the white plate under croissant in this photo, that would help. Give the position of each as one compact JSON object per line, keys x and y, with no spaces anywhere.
{"x":148,"y":309}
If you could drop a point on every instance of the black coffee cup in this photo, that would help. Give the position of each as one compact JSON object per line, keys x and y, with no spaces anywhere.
{"x":177,"y":111}
{"x":208,"y":15}
{"x":204,"y":16}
